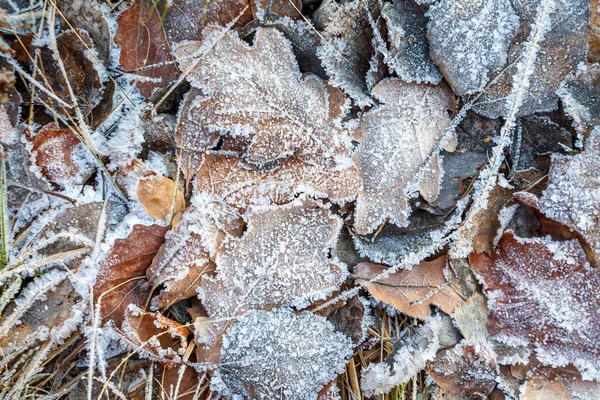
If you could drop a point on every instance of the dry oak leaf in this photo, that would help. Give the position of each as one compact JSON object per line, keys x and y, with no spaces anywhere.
{"x":563,"y":47}
{"x":188,"y":249}
{"x":145,"y":52}
{"x":158,"y":196}
{"x":467,"y":371}
{"x":543,"y":293}
{"x":257,"y":93}
{"x":412,"y":292}
{"x":396,"y":140}
{"x":243,"y":185}
{"x":58,"y":153}
{"x":280,"y":355}
{"x":121,"y":278}
{"x":572,"y":196}
{"x":282,"y":259}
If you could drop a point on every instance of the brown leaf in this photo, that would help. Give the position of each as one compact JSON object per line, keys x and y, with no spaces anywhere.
{"x":242,"y":185}
{"x":159,"y":197}
{"x":144,"y":48}
{"x":542,"y":293}
{"x":396,"y":141}
{"x":350,"y":319}
{"x":467,"y":371}
{"x":121,"y":279}
{"x":282,"y":259}
{"x":257,"y":93}
{"x":53,"y":153}
{"x":171,"y":379}
{"x":594,"y":52}
{"x":558,"y":384}
{"x":412,"y":292}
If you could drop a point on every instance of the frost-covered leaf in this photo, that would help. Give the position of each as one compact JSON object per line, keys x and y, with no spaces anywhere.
{"x":120,"y":280}
{"x":60,"y":155}
{"x":559,"y":384}
{"x":543,"y":293}
{"x":242,"y":185}
{"x":412,"y":292}
{"x":406,"y":25}
{"x":279,"y":354}
{"x":396,"y":141}
{"x":145,"y":52}
{"x":412,"y":351}
{"x":282,"y":259}
{"x":255,"y":93}
{"x":158,"y":196}
{"x":563,"y":47}
{"x":467,"y":371}
{"x":572,"y":195}
{"x":273,"y":9}
{"x":189,"y":248}
{"x":185,"y":19}
{"x":580,"y":96}
{"x":469,"y":40}
{"x":348,"y":49}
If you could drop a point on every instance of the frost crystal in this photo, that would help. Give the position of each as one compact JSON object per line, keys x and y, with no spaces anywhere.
{"x":282,"y":259}
{"x":580,"y":96}
{"x":279,"y":354}
{"x":406,"y":25}
{"x":410,"y":355}
{"x":469,"y":40}
{"x":396,"y":141}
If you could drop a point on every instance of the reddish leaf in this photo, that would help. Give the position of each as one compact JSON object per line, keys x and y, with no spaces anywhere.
{"x":121,"y":280}
{"x":543,"y":293}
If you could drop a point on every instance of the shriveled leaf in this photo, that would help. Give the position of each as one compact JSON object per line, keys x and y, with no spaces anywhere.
{"x":60,"y":155}
{"x":159,"y":197}
{"x":396,"y":141}
{"x":412,"y":292}
{"x":348,"y":48}
{"x":406,"y":25}
{"x":256,"y":93}
{"x":542,"y":293}
{"x":189,"y":248}
{"x":121,"y":279}
{"x":469,"y":40}
{"x":572,"y":195}
{"x":242,"y":185}
{"x":145,"y":52}
{"x":580,"y":96}
{"x":467,"y":371}
{"x":352,"y":319}
{"x":282,"y":259}
{"x":563,"y":47}
{"x":275,"y":354}
{"x":413,"y":349}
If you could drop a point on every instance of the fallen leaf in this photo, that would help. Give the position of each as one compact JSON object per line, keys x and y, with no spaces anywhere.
{"x":594,"y":53}
{"x":559,"y":384}
{"x":158,"y":196}
{"x":542,"y":293}
{"x":580,"y":96}
{"x":471,"y":318}
{"x":145,"y":52}
{"x":406,"y":24}
{"x":265,"y":356}
{"x":352,"y":319}
{"x":572,"y":195}
{"x":121,"y":279}
{"x":241,"y":185}
{"x":272,"y":265}
{"x":275,"y":9}
{"x":467,"y":371}
{"x":563,"y":47}
{"x":256,"y":93}
{"x":412,"y":292}
{"x":189,"y":249}
{"x":396,"y":141}
{"x":469,"y":40}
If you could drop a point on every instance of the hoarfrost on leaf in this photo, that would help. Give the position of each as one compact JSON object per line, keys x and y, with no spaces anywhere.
{"x":396,"y":141}
{"x":469,"y":40}
{"x":580,"y":95}
{"x":282,"y":259}
{"x":543,"y":293}
{"x":280,"y":354}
